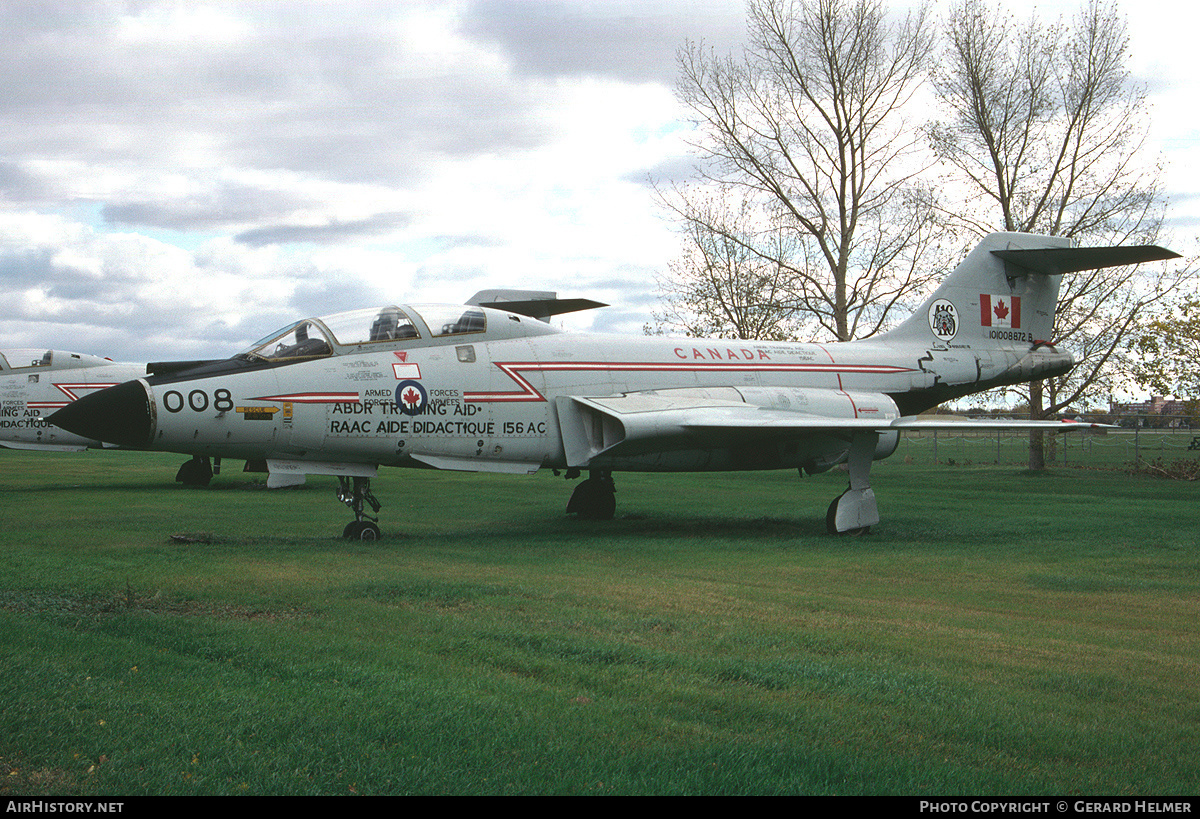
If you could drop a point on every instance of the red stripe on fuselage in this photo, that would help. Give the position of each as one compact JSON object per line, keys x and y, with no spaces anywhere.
{"x":312,"y":398}
{"x":71,"y":390}
{"x":529,"y":393}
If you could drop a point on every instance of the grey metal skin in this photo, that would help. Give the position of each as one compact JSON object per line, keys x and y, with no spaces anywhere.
{"x":488,"y":389}
{"x":34,"y":383}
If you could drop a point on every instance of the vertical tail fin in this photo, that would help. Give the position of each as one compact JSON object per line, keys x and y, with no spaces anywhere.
{"x":1005,"y":292}
{"x":987,"y":300}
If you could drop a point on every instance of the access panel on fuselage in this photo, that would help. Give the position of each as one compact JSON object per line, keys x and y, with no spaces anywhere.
{"x":437,"y":417}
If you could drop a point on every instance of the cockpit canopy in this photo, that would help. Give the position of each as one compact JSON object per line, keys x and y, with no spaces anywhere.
{"x":40,"y":359}
{"x":390,"y":326}
{"x":14,"y":359}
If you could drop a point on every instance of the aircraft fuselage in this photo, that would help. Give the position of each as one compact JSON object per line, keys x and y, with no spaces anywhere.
{"x":36,"y":383}
{"x":482,"y":388}
{"x":501,"y":405}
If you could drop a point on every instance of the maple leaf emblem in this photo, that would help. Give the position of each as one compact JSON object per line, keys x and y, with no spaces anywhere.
{"x":1001,"y":310}
{"x":411,"y":398}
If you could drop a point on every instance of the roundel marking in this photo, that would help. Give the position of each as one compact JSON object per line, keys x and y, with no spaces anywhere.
{"x":943,"y":319}
{"x":411,"y":397}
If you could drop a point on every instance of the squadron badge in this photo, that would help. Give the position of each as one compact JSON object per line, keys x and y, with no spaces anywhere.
{"x":943,"y":319}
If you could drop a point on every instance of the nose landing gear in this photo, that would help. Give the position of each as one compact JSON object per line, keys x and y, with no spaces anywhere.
{"x":355,"y":492}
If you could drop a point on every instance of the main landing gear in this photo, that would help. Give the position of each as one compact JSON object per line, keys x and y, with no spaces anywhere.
{"x":355,"y":492}
{"x":197,"y":472}
{"x":595,"y":498}
{"x":854,"y":511}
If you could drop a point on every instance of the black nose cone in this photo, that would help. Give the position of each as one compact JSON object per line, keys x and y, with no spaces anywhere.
{"x":118,"y":415}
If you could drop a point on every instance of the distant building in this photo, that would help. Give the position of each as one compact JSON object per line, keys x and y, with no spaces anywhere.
{"x":1165,"y":412}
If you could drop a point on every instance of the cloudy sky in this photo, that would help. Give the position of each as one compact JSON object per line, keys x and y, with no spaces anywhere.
{"x":179,"y":178}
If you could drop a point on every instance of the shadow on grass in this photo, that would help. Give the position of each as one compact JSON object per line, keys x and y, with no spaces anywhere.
{"x":687,"y":526}
{"x":531,"y":531}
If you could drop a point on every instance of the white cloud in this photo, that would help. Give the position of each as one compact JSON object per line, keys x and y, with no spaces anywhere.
{"x":177,"y":179}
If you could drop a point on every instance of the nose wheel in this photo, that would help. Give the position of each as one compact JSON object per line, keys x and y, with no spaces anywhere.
{"x":361,"y":530}
{"x":356,"y":493}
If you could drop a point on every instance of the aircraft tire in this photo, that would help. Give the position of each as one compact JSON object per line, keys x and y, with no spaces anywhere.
{"x":605,"y":507}
{"x":831,"y":516}
{"x":361,"y":530}
{"x":593,"y":499}
{"x":196,"y":472}
{"x":831,"y":521}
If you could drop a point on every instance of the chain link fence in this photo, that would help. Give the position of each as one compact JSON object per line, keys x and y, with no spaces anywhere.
{"x":1138,"y":442}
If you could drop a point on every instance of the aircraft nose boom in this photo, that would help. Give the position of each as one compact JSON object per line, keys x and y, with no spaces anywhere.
{"x":117,"y":415}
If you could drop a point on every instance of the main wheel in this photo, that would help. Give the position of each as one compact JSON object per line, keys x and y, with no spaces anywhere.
{"x":196,"y":472}
{"x":831,"y":521}
{"x":593,"y":500}
{"x":831,"y":517}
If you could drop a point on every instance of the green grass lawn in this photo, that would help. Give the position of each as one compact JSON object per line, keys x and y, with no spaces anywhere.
{"x":1000,"y":632}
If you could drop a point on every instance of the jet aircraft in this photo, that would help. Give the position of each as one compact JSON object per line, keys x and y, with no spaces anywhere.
{"x":35,"y":382}
{"x":486,"y":387}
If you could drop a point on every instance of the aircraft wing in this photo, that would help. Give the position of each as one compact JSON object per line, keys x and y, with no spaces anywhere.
{"x":776,"y":420}
{"x":951,"y":422}
{"x":635,"y":423}
{"x":38,"y":447}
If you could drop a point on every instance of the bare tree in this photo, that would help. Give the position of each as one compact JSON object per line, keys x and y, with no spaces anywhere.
{"x":805,"y":132}
{"x":1045,"y":135}
{"x":719,"y":288}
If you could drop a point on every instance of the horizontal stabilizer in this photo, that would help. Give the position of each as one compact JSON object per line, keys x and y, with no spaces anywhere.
{"x":1055,"y":260}
{"x":538,"y":304}
{"x":544,"y":309}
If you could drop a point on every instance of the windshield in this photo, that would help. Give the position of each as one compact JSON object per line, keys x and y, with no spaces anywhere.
{"x":304,"y":339}
{"x":313,"y":338}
